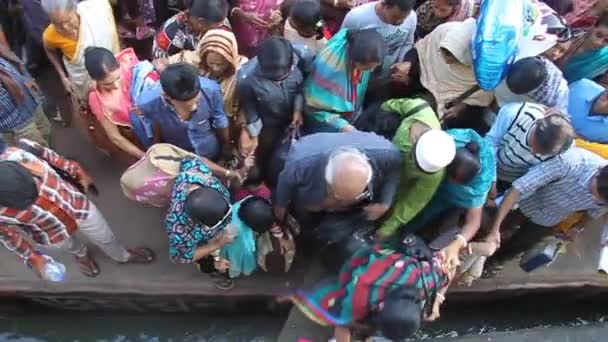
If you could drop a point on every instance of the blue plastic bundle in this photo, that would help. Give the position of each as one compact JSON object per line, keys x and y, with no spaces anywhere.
{"x":499,"y":29}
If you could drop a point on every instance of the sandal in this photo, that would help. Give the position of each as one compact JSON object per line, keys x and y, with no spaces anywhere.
{"x":140,"y":255}
{"x":221,"y":281}
{"x":88,"y":266}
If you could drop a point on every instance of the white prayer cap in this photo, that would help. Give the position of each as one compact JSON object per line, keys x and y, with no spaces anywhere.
{"x":435,"y":149}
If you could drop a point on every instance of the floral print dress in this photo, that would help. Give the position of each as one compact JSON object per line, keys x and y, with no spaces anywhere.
{"x":185,"y":235}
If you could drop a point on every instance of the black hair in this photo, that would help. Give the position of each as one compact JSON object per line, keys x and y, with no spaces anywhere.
{"x":401,"y":313}
{"x":602,"y":21}
{"x":275,"y":56}
{"x":257,"y":213}
{"x":383,"y":123}
{"x":553,"y":133}
{"x":602,"y":184}
{"x":404,"y":5}
{"x":180,"y":81}
{"x":466,"y":163}
{"x":561,"y":7}
{"x":206,"y":205}
{"x":209,"y":10}
{"x":99,"y":61}
{"x":526,"y":75}
{"x":306,"y":13}
{"x":254,"y":177}
{"x":366,"y":46}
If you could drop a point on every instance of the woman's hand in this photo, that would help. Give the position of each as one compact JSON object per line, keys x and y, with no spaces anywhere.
{"x":275,"y":18}
{"x":400,"y":72}
{"x":251,"y":18}
{"x":435,"y":314}
{"x":221,"y":265}
{"x":494,"y":237}
{"x":247,"y":144}
{"x":375,"y":211}
{"x":452,"y":254}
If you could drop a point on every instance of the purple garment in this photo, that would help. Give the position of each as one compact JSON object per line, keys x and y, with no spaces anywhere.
{"x":35,"y":19}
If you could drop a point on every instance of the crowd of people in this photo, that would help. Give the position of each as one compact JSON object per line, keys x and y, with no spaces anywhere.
{"x":353,"y":129}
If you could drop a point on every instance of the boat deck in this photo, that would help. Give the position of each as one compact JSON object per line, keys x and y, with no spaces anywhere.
{"x":135,"y":225}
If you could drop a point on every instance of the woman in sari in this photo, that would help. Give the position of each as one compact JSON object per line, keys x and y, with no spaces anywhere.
{"x":335,"y":89}
{"x":252,"y":22}
{"x":73,"y":28}
{"x":117,"y":82}
{"x":217,"y":57}
{"x":588,"y":55}
{"x":446,"y":68}
{"x":470,"y":179}
{"x":382,"y":286}
{"x":433,"y":13}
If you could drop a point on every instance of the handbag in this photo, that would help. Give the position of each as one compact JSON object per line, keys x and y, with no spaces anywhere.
{"x":150,"y":180}
{"x":279,"y":155}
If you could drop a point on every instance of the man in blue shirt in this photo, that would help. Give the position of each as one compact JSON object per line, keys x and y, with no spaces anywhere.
{"x":588,"y":108}
{"x":187,"y":111}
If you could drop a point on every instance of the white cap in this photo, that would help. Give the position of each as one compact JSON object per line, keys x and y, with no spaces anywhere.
{"x":435,"y":149}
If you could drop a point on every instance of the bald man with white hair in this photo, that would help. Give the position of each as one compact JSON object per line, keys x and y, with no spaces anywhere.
{"x":328,"y":172}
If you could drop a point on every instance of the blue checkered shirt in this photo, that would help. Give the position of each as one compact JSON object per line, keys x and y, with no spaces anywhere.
{"x":13,"y":116}
{"x":555,"y":189}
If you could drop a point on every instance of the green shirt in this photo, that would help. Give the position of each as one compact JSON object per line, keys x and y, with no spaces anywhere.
{"x":417,"y":187}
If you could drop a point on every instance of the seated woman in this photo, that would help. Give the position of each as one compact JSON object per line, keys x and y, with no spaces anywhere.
{"x":117,"y":83}
{"x":446,"y":70}
{"x":303,"y":25}
{"x":217,"y":57}
{"x":470,"y":178}
{"x":336,"y":86}
{"x":534,"y":79}
{"x":73,"y":28}
{"x":433,"y":13}
{"x":588,"y":109}
{"x":384,"y":287}
{"x":588,"y":55}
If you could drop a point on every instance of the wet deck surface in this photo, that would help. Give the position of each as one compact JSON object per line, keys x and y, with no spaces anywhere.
{"x":135,"y":225}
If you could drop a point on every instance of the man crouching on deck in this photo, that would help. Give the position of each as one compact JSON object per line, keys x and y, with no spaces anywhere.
{"x":42,"y":197}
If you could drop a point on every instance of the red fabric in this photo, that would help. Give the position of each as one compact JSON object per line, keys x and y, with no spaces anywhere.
{"x":263,"y":191}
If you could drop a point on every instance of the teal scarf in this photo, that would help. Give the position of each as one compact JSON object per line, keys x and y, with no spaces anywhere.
{"x":241,"y":252}
{"x":587,"y":65}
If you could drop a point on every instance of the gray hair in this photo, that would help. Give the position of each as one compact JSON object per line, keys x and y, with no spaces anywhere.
{"x":58,"y":5}
{"x":342,"y":154}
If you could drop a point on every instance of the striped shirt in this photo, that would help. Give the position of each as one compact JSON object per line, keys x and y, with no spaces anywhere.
{"x":53,"y":217}
{"x":12,"y":115}
{"x":509,"y":135}
{"x":557,"y":188}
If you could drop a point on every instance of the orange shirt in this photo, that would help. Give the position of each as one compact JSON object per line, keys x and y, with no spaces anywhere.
{"x":53,"y":40}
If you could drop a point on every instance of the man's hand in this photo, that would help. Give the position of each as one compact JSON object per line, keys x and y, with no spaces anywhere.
{"x":453,"y":111}
{"x":451,"y":253}
{"x":279,"y":213}
{"x":400,"y":72}
{"x":375,"y":211}
{"x":69,"y":87}
{"x":33,"y":86}
{"x":494,"y":237}
{"x":348,"y":128}
{"x":297,"y":120}
{"x":87,"y":183}
{"x":247,"y":144}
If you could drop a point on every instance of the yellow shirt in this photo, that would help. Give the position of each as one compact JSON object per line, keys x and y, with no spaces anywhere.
{"x":53,"y":40}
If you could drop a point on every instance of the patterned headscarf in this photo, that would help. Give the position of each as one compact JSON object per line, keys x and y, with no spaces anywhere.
{"x":554,"y":89}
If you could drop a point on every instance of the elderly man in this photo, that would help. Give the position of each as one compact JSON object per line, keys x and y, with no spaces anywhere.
{"x":329,"y":172}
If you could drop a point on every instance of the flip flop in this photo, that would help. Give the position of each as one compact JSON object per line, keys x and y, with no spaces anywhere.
{"x":88,"y":266}
{"x":140,"y":255}
{"x":222,"y":282}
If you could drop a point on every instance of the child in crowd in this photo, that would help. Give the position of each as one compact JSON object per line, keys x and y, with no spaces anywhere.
{"x":253,"y":185}
{"x":304,"y":26}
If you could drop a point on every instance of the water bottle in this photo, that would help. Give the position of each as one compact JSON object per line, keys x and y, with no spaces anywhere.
{"x":53,"y":270}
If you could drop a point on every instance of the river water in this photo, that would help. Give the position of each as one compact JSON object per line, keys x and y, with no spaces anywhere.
{"x":456,"y":320}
